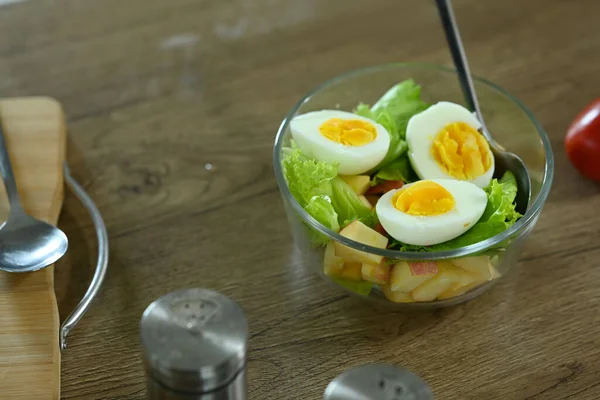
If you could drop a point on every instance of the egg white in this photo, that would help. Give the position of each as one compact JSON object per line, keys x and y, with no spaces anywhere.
{"x":422,"y":129}
{"x":352,"y":160}
{"x":470,"y":202}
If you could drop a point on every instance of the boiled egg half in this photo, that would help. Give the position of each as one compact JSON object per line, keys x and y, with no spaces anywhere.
{"x":356,"y":143}
{"x":444,"y":143}
{"x":431,"y":211}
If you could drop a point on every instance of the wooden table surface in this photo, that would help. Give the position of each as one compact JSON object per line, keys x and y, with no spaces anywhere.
{"x":157,"y":91}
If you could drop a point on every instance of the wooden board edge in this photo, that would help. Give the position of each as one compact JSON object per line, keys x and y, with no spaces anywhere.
{"x":57,"y":204}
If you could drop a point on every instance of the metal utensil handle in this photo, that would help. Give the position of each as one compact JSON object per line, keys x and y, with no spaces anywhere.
{"x":101,"y":264}
{"x":8,"y":176}
{"x":460,"y":59}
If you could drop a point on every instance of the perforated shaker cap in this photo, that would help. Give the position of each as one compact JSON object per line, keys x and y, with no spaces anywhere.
{"x":378,"y":381}
{"x":194,"y":340}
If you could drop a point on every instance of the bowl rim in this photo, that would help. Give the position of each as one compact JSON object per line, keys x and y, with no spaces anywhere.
{"x":530,"y":215}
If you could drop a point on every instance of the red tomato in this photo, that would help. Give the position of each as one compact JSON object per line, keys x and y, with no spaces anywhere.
{"x":582,"y":142}
{"x":385,"y":187}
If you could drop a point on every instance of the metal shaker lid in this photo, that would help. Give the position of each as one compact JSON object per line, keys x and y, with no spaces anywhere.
{"x":194,"y":340}
{"x":378,"y":382}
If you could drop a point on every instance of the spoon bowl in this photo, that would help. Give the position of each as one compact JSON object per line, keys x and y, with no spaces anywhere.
{"x":28,"y":244}
{"x":507,"y":161}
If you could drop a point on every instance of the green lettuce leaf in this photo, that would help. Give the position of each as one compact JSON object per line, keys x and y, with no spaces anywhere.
{"x":393,"y":110}
{"x":398,"y":104}
{"x":361,"y":287}
{"x":321,"y":209}
{"x":348,"y":206}
{"x":306,"y":177}
{"x":402,"y":101}
{"x":325,"y":196}
{"x":501,"y":198}
{"x":364,"y":111}
{"x":398,"y":170}
{"x":309,"y":182}
{"x":382,"y":117}
{"x":499,"y":215}
{"x":398,"y":145}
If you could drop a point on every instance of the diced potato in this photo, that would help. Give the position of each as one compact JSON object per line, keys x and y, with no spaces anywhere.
{"x":407,"y":276}
{"x":478,"y":265}
{"x":379,"y":273}
{"x":358,"y":183}
{"x":396,"y":297}
{"x":361,"y":233}
{"x":464,"y":281}
{"x":446,"y":278}
{"x":494,"y":272}
{"x":470,"y":280}
{"x":352,"y":271}
{"x":464,"y":277}
{"x":366,"y":202}
{"x":453,"y":292}
{"x":332,"y":264}
{"x":495,"y":260}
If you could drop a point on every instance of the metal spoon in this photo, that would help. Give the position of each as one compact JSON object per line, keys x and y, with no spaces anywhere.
{"x":505,"y":161}
{"x":26,"y":243}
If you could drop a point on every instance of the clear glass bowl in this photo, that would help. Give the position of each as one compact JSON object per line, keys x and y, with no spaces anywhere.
{"x":511,"y":124}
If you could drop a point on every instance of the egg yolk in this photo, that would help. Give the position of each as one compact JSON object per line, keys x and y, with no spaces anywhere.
{"x":424,"y":198}
{"x":349,"y":132}
{"x":461,"y":151}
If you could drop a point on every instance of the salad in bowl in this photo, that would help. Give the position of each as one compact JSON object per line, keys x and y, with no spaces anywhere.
{"x":396,"y":198}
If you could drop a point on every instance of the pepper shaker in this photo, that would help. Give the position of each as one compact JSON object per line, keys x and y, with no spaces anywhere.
{"x":378,"y":382}
{"x":194,"y":345}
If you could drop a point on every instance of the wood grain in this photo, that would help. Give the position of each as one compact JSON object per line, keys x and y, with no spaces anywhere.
{"x":156,"y":90}
{"x":34,"y":129}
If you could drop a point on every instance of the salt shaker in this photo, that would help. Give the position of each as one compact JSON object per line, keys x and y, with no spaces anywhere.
{"x":378,"y":382}
{"x":194,"y":344}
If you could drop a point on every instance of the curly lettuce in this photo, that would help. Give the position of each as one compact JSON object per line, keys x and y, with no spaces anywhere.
{"x":499,"y":215}
{"x":309,"y":182}
{"x":326,"y":197}
{"x":306,"y":177}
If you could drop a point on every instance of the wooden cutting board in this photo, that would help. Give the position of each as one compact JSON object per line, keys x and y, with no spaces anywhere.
{"x":29,"y":323}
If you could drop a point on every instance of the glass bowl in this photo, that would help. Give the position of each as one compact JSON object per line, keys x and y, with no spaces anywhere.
{"x":512,"y":125}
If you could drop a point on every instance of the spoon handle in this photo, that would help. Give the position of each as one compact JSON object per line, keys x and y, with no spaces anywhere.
{"x":458,"y":56}
{"x":8,"y":176}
